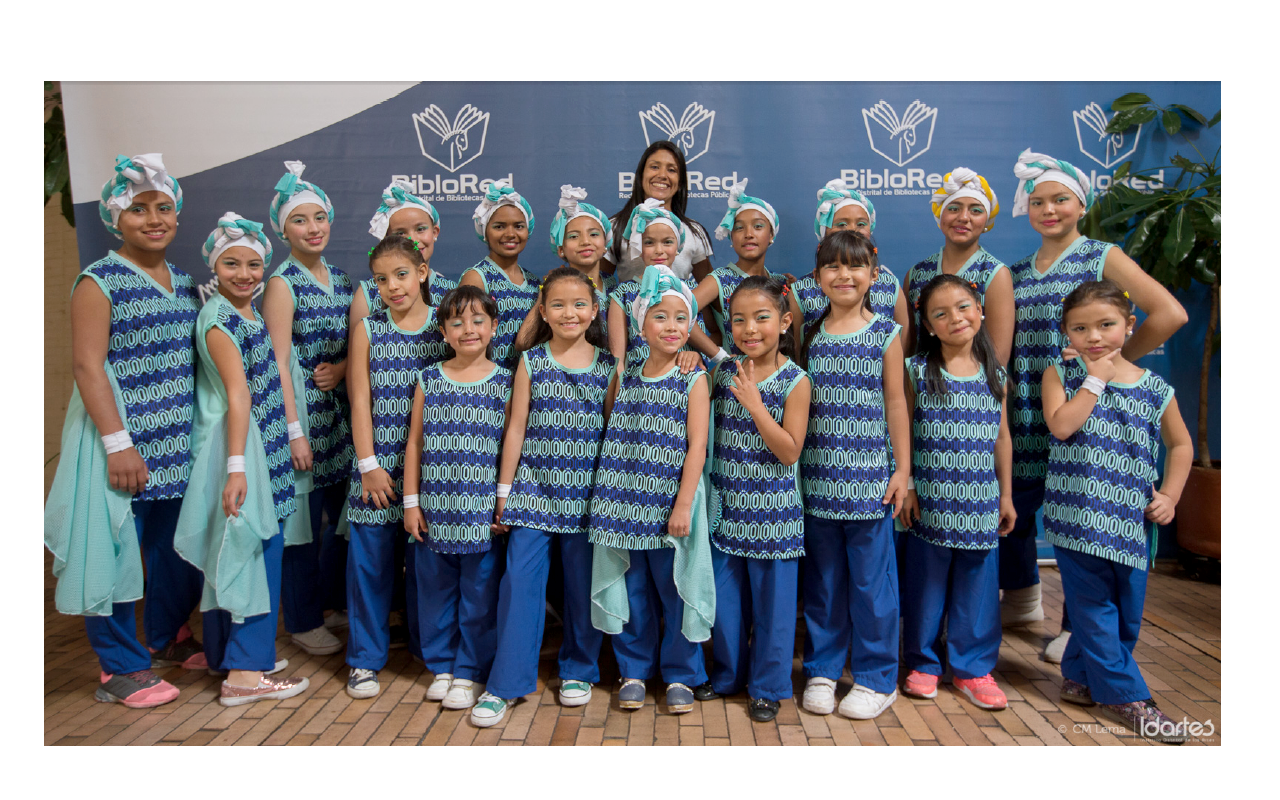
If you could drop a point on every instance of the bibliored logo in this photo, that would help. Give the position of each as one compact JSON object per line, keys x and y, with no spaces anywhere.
{"x":451,"y":144}
{"x":1107,"y":149}
{"x":900,"y":139}
{"x":691,"y":133}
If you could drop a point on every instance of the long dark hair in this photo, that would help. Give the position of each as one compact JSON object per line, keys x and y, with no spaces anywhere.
{"x":542,"y":331}
{"x":456,"y":302}
{"x":931,"y":346}
{"x":777,"y":291}
{"x":841,"y":247}
{"x":679,"y":201}
{"x":1103,"y":291}
{"x":399,"y":244}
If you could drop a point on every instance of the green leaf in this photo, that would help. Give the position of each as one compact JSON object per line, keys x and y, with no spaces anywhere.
{"x":1216,"y":119}
{"x":1171,"y":121}
{"x":1142,"y":233}
{"x":1130,"y":100}
{"x":1121,"y":172}
{"x":51,"y":169}
{"x":1190,"y":112}
{"x":1206,"y":219}
{"x":68,"y":208}
{"x":1180,"y":238}
{"x":1121,"y":122}
{"x":1189,"y":165}
{"x":1144,"y":115}
{"x":1129,"y":209}
{"x":1201,"y":268}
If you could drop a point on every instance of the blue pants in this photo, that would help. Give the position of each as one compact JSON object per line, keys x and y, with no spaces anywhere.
{"x":305,"y":592}
{"x":173,"y":589}
{"x":522,"y":600}
{"x":250,"y":645}
{"x":653,"y":601}
{"x":1105,"y":601}
{"x":962,"y":586}
{"x":1018,"y":568}
{"x":457,"y":600}
{"x":756,"y":601}
{"x":404,"y":590}
{"x":851,"y":600}
{"x":371,"y":563}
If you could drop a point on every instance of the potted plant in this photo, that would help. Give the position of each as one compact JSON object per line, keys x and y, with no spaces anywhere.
{"x":1174,"y":231}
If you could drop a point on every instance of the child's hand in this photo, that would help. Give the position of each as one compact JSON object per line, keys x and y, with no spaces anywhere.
{"x":300,"y":450}
{"x":1103,"y":367}
{"x":910,"y":509}
{"x":497,"y":526}
{"x":414,"y":523}
{"x":1161,"y":509}
{"x":744,"y":386}
{"x":233,"y":494}
{"x":790,"y":278}
{"x":325,"y":377}
{"x":1008,"y":516}
{"x":127,"y":471}
{"x":687,"y":361}
{"x":680,"y":521}
{"x":896,"y":492}
{"x":1069,"y":353}
{"x":376,"y":484}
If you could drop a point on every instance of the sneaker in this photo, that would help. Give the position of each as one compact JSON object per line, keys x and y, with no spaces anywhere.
{"x":336,"y":621}
{"x":1075,"y":693}
{"x":184,"y":651}
{"x":488,"y":710}
{"x":1053,"y":650}
{"x":318,"y":641}
{"x":921,"y":684}
{"x":141,"y":689}
{"x":574,"y":693}
{"x":865,"y":703}
{"x":363,"y":683}
{"x":439,"y":686}
{"x":1144,"y":719}
{"x":462,"y":694}
{"x":267,"y":689}
{"x":631,"y":695}
{"x":399,"y":631}
{"x":1021,"y":606}
{"x":819,"y":696}
{"x":703,"y":692}
{"x":983,"y":692}
{"x":679,"y":698}
{"x":281,"y":663}
{"x":762,"y":710}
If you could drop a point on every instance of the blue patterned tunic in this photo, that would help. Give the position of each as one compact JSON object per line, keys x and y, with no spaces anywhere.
{"x":884,"y":294}
{"x":396,"y":358}
{"x":461,"y":435}
{"x":562,"y":436}
{"x":1038,"y":341}
{"x":954,"y":460}
{"x":638,"y":348}
{"x":642,"y":459}
{"x":761,"y":513}
{"x":980,"y":268}
{"x":1099,"y":480}
{"x":438,"y":287}
{"x":266,"y":398}
{"x":320,"y":336}
{"x":513,"y":302}
{"x":152,"y":354}
{"x":845,"y":464}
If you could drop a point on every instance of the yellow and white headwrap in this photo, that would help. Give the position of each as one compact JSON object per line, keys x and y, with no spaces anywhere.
{"x":964,"y":182}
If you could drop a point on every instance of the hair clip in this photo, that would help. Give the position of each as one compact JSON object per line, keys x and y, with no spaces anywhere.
{"x":416,"y":245}
{"x":1126,"y":295}
{"x":875,"y":250}
{"x":785,"y":290}
{"x":974,"y":285}
{"x":371,"y":249}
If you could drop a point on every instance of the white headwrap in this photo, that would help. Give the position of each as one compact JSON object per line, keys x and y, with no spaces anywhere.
{"x":144,"y":173}
{"x":397,"y":196}
{"x":835,"y":196}
{"x":1034,"y":169}
{"x":572,"y":206}
{"x":499,"y":194}
{"x":659,"y":282}
{"x":291,"y":192}
{"x":964,"y":182}
{"x":650,"y":212}
{"x":235,"y":231}
{"x":740,"y":201}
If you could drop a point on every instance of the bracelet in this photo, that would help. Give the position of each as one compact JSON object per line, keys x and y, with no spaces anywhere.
{"x":295,"y":430}
{"x":235,"y":464}
{"x":1094,"y":384}
{"x":410,"y":501}
{"x":720,"y":355}
{"x":115,"y":442}
{"x":911,"y":484}
{"x":367,"y":464}
{"x":504,"y":490}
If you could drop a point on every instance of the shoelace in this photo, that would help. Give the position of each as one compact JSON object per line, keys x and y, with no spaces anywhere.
{"x":143,"y":677}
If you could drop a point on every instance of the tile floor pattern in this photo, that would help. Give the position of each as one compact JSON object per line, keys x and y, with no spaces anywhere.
{"x":1179,"y":652}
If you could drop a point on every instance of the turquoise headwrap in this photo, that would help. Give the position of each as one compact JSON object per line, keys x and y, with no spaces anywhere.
{"x":396,"y":196}
{"x":835,"y":196}
{"x":144,"y":173}
{"x":235,"y":231}
{"x":499,"y":194}
{"x":657,"y":283}
{"x":644,"y":215}
{"x":1033,"y":168}
{"x":740,"y":201}
{"x":291,"y":192}
{"x":572,"y":207}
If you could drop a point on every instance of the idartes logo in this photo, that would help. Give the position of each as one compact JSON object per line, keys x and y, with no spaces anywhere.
{"x":691,"y":133}
{"x":1108,"y":149}
{"x":451,"y":144}
{"x":901,"y":139}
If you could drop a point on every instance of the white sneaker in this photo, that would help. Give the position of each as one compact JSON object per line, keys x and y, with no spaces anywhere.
{"x":462,"y":694}
{"x":488,"y":710}
{"x":336,"y":621}
{"x":1053,"y":650}
{"x":362,"y":684}
{"x":440,"y":686}
{"x":819,"y":696}
{"x":1021,"y":606}
{"x":863,"y":703}
{"x":574,"y":693}
{"x":318,"y":641}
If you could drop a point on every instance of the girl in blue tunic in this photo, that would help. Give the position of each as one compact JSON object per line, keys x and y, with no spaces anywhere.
{"x":851,"y":487}
{"x":961,"y":501}
{"x":503,"y":221}
{"x":241,"y":508}
{"x":305,"y":305}
{"x":388,"y":352}
{"x":1101,"y":508}
{"x":1055,"y":196}
{"x":459,"y":412}
{"x":761,"y":407}
{"x":124,"y":468}
{"x":544,"y":484}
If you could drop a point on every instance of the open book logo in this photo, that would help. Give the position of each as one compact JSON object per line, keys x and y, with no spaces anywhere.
{"x":900,"y":139}
{"x":454,"y":144}
{"x":691,"y":133}
{"x":1108,"y":149}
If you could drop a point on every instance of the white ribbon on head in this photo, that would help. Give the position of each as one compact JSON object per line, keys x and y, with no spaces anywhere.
{"x":480,"y":217}
{"x":1024,"y":171}
{"x":381,"y":220}
{"x":152,"y":177}
{"x":570,"y":196}
{"x":736,"y":191}
{"x":301,"y":198}
{"x":226,"y":237}
{"x":838,"y":185}
{"x":660,"y":217}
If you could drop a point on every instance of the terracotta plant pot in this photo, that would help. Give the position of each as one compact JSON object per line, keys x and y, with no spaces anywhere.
{"x":1200,"y":513}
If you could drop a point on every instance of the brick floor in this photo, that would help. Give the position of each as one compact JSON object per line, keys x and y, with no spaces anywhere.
{"x":1179,"y":652}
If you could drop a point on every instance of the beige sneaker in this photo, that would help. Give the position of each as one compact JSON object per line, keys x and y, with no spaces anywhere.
{"x":267,"y":689}
{"x":318,"y":641}
{"x":1021,"y":606}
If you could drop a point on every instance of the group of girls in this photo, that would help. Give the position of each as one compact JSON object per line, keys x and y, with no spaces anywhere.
{"x":604,"y":415}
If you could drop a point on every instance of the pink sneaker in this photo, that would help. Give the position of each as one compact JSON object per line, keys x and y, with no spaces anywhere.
{"x":184,"y":651}
{"x":142,"y":689}
{"x":983,"y":692}
{"x":921,"y":684}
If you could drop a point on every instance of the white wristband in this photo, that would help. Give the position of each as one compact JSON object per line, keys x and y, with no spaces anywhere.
{"x":115,"y":442}
{"x":720,"y":355}
{"x":410,"y":501}
{"x":504,"y":490}
{"x":1094,"y":384}
{"x":295,"y":430}
{"x":911,"y":484}
{"x":367,"y":464}
{"x":235,"y":464}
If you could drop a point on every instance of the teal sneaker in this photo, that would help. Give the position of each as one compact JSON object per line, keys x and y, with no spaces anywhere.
{"x":488,"y":711}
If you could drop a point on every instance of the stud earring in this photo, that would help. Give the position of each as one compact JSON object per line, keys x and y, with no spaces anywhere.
{"x":984,"y":316}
